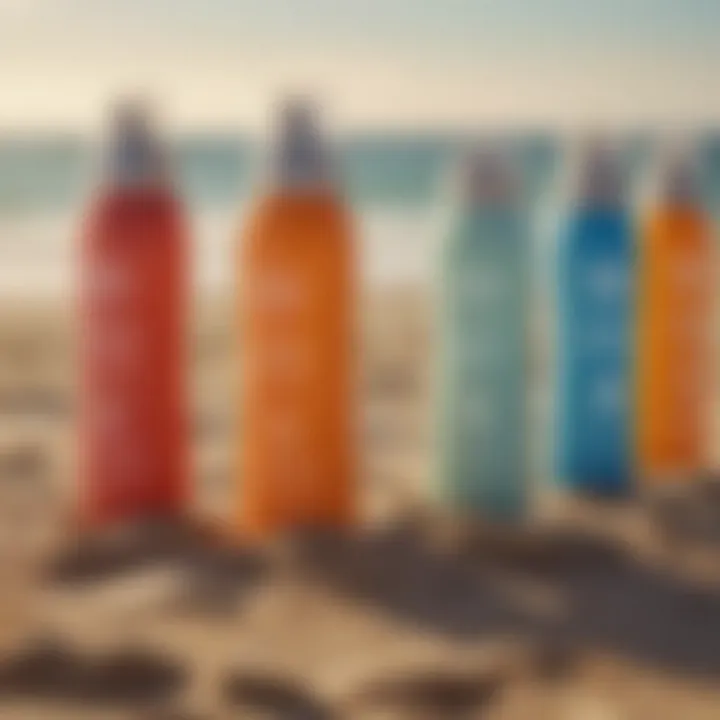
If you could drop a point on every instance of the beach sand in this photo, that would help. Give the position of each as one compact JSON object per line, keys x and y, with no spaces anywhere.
{"x":592,"y":612}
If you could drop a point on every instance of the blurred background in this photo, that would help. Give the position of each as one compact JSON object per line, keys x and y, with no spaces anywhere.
{"x":407,"y":620}
{"x":399,"y":83}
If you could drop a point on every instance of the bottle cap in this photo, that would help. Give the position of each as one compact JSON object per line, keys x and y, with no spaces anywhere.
{"x":680,"y":178}
{"x":136,"y":156}
{"x":488,"y":177}
{"x":302,"y":158}
{"x":601,"y":179}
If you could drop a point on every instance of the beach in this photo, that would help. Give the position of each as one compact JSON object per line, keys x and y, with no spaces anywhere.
{"x":592,"y":610}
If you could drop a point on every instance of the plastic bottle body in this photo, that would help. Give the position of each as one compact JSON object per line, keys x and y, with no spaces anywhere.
{"x":595,"y":313}
{"x":297,"y":312}
{"x":132,"y":347}
{"x":675,"y":325}
{"x":484,"y":361}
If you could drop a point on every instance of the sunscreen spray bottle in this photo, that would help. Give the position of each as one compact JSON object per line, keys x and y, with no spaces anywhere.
{"x":297,"y":311}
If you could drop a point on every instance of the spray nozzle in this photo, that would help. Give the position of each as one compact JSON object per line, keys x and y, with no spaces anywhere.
{"x":488,"y":176}
{"x":302,"y":158}
{"x":680,"y":176}
{"x":136,"y":157}
{"x":601,"y":177}
{"x":299,"y":118}
{"x":131,"y":117}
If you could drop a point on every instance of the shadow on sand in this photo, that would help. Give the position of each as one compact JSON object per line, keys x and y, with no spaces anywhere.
{"x":566,"y":592}
{"x":216,"y":576}
{"x":560,"y":589}
{"x":57,"y":673}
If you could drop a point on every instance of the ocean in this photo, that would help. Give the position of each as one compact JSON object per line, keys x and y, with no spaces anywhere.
{"x":396,"y":185}
{"x":399,"y":187}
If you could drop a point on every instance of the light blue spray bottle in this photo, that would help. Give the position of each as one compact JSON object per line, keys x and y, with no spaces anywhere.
{"x":483,"y":316}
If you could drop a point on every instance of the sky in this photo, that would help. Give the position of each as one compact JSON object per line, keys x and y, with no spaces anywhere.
{"x":381,"y":63}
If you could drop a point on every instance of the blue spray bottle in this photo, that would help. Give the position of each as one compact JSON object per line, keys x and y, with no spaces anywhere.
{"x":484,"y":345}
{"x":595,"y":340}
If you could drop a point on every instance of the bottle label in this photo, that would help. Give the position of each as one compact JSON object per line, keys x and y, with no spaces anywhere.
{"x":283,"y":366}
{"x":132,"y":345}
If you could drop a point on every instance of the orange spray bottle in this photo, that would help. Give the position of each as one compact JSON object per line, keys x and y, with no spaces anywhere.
{"x":675,"y":326}
{"x":296,"y":309}
{"x":133,"y":288}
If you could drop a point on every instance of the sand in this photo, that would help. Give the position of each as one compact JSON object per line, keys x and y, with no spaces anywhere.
{"x":591,"y":612}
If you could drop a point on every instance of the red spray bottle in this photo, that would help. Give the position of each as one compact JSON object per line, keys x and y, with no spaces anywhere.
{"x":133,"y":290}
